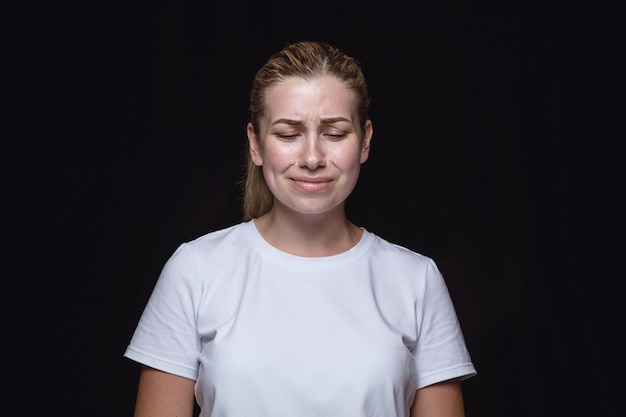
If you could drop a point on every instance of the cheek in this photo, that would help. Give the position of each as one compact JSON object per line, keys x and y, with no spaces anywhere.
{"x":276,"y":158}
{"x":348,"y":158}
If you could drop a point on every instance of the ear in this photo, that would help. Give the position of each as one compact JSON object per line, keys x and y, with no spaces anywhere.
{"x":255,"y":145}
{"x":366,"y":141}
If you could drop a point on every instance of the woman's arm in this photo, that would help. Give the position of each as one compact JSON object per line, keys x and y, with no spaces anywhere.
{"x":164,"y":395}
{"x":443,"y":399}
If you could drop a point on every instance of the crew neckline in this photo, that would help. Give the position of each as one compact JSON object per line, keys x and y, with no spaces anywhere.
{"x":359,"y":249}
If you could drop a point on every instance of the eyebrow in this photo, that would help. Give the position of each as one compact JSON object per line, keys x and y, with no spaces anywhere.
{"x":328,"y":120}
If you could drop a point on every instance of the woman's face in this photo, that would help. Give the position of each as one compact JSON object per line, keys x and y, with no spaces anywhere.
{"x":309,"y":144}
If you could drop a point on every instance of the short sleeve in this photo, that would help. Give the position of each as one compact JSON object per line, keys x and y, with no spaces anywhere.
{"x":440,"y":352}
{"x":166,"y":337}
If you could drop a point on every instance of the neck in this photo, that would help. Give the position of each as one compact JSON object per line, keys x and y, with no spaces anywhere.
{"x":309,"y":235}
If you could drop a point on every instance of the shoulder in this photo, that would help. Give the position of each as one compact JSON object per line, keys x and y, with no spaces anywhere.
{"x":398,"y":255}
{"x":212,"y":247}
{"x":232,"y":235}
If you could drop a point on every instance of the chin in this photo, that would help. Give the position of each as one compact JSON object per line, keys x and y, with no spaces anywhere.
{"x":314,"y":210}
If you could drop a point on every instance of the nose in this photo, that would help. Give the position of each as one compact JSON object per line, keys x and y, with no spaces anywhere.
{"x":313,"y":154}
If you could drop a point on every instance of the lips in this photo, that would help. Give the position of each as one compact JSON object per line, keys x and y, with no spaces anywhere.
{"x":312,"y":184}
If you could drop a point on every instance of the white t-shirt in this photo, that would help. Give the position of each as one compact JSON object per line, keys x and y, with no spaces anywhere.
{"x":266,"y":333}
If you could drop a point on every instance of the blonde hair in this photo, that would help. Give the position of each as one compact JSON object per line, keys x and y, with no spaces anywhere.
{"x":302,"y":59}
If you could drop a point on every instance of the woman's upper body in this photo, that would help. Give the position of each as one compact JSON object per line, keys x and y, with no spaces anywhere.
{"x":268,"y":333}
{"x":301,"y":312}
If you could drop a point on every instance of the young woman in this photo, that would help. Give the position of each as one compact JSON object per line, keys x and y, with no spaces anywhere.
{"x":296,"y":311}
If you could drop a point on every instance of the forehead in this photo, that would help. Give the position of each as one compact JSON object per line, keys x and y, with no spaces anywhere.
{"x":324,"y":95}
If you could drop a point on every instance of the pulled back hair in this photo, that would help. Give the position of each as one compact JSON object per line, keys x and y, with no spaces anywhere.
{"x":307,"y":60}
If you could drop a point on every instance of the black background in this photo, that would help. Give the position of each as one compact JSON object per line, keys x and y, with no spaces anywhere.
{"x":498,"y":150}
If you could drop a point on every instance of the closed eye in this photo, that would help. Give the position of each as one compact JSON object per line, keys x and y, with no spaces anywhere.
{"x":336,"y":136}
{"x":286,"y":136}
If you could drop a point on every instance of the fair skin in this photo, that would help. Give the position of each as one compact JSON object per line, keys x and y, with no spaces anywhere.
{"x":444,"y":399}
{"x":164,"y":395}
{"x":311,"y":146}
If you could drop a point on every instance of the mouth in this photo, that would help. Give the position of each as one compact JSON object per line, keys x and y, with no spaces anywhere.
{"x":312,"y":184}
